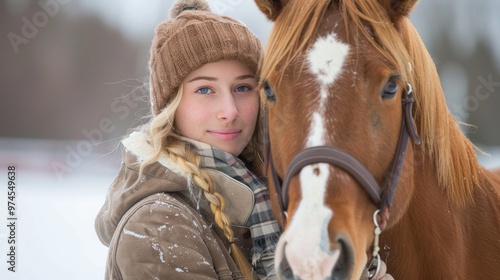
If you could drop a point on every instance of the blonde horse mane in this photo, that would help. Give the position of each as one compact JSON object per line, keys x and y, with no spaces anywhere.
{"x":451,"y":153}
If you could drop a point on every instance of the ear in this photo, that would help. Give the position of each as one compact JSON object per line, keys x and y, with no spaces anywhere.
{"x":396,"y":9}
{"x":271,"y":8}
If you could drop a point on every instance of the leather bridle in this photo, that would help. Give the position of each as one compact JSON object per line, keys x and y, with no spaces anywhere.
{"x":381,"y":197}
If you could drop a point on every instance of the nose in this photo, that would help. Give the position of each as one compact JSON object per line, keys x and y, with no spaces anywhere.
{"x":336,"y":264}
{"x":227,"y":109}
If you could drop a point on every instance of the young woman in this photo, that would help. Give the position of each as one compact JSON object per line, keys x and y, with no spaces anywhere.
{"x":189,"y":201}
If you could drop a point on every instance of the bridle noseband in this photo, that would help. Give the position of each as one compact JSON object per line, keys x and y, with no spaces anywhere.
{"x":381,"y":197}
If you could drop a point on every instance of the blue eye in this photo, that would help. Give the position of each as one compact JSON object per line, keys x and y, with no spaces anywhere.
{"x":204,"y":90}
{"x":242,"y":89}
{"x":390,"y":89}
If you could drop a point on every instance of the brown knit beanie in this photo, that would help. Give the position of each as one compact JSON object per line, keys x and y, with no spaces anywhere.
{"x":192,"y":37}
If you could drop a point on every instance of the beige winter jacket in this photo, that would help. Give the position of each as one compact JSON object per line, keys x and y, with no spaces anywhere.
{"x":157,"y":229}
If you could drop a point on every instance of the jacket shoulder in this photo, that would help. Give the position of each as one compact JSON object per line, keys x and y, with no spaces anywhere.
{"x":162,"y":236}
{"x":128,"y":189}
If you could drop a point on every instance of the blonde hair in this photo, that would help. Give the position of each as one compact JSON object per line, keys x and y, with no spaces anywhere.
{"x":166,"y":140}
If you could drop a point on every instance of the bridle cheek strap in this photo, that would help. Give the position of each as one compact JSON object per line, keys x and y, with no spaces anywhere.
{"x":275,"y":180}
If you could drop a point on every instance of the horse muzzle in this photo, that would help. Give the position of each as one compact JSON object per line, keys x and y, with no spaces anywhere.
{"x":299,"y":261}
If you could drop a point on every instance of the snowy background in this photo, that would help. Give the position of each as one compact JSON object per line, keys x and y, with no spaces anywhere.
{"x":62,"y":179}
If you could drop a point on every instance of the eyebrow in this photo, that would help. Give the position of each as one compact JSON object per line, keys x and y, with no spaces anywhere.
{"x":243,"y":77}
{"x":208,"y":78}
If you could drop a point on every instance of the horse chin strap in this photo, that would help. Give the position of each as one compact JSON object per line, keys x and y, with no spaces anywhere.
{"x":381,"y":197}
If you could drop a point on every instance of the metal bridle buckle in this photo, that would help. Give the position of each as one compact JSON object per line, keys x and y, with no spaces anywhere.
{"x":375,"y":261}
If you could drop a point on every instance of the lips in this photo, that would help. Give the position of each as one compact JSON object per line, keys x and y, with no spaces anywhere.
{"x":225,"y":135}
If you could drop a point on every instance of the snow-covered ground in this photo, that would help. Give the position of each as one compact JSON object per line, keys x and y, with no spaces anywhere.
{"x":55,"y":237}
{"x":55,"y":233}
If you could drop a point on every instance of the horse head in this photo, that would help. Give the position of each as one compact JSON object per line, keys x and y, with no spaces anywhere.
{"x":338,"y":75}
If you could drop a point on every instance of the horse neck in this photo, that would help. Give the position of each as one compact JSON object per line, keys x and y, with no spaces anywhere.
{"x":436,"y":238}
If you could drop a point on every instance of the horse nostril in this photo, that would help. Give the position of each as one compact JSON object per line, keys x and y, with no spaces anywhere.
{"x":344,"y":266}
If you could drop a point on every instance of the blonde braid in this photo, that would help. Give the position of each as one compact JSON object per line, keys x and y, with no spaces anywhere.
{"x":165,"y":140}
{"x":217,"y":203}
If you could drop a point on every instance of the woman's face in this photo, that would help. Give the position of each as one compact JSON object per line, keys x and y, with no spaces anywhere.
{"x":219,"y":106}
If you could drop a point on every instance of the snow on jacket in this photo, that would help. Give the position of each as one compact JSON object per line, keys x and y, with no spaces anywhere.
{"x":156,"y":230}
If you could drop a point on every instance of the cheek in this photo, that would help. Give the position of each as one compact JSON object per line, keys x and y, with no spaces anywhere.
{"x":375,"y":125}
{"x":250,"y":110}
{"x":385,"y":128}
{"x":188,"y":117}
{"x":375,"y":120}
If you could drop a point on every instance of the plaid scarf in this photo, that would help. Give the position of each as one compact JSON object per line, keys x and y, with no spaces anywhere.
{"x":263,"y":226}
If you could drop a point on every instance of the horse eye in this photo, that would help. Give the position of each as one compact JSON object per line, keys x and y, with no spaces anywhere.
{"x":390,"y":89}
{"x":269,"y":92}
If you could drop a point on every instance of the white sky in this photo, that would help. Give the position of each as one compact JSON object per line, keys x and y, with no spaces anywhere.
{"x":136,"y":18}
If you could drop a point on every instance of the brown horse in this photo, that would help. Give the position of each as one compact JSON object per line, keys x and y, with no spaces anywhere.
{"x":344,"y":138}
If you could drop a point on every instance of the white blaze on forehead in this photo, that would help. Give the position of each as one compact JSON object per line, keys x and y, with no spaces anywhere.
{"x":317,"y":133}
{"x":310,"y":221}
{"x":326,"y":58}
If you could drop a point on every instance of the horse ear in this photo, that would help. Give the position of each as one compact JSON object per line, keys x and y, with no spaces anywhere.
{"x":396,"y":9}
{"x":271,"y":8}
